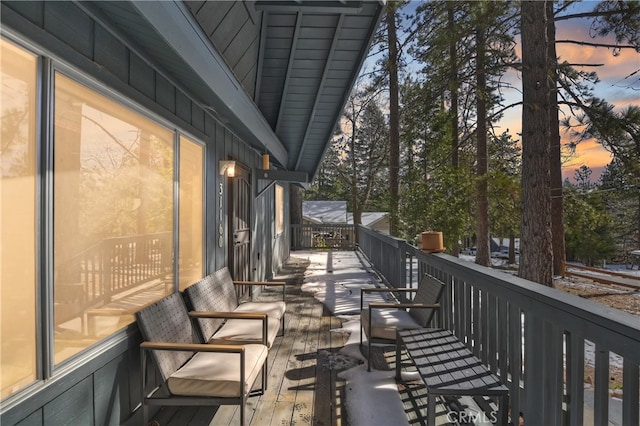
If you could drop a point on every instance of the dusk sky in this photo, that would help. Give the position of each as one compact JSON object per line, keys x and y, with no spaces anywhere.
{"x":619,"y":85}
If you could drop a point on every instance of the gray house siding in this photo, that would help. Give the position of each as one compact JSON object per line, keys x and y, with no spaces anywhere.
{"x":102,"y":386}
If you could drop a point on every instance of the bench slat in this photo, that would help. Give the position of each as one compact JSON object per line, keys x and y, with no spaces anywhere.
{"x":448,"y":367}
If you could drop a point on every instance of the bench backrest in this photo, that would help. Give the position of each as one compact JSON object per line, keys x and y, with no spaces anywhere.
{"x":167,"y":320}
{"x":429,"y":292}
{"x":215,"y":292}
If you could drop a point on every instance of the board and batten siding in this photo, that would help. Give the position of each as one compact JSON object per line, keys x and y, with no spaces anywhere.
{"x":102,"y":387}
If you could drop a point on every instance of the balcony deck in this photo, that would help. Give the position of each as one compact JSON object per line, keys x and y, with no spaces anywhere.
{"x":303,"y":382}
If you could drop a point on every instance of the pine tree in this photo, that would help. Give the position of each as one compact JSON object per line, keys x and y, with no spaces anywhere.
{"x":535,"y":240}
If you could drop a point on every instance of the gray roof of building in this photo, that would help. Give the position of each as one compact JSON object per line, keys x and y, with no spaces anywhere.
{"x":325,"y":211}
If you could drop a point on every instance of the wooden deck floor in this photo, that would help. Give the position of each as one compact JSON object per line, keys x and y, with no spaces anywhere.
{"x":303,"y":387}
{"x":303,"y":384}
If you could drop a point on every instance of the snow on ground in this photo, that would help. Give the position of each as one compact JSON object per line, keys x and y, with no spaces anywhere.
{"x":372,"y":398}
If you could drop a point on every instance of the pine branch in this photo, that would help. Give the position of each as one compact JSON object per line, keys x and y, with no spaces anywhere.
{"x":585,"y":65}
{"x":610,"y":46}
{"x":592,"y":14}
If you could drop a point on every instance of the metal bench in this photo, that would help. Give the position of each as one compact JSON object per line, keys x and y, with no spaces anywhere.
{"x":449,"y":368}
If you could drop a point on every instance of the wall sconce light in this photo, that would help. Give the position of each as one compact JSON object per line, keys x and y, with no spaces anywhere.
{"x":265,"y":161}
{"x":228,"y":168}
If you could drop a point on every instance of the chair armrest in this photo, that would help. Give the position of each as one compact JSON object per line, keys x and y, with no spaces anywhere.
{"x":229,"y":315}
{"x":282,"y":284}
{"x":404,"y":305}
{"x":236,"y":315}
{"x":191,"y":347}
{"x":382,"y":290}
{"x":387,"y":290}
{"x":267,"y":283}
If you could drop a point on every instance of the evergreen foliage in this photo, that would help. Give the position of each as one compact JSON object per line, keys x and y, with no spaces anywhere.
{"x":440,"y":170}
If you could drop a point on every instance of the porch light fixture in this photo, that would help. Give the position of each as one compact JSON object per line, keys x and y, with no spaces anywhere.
{"x":265,"y":161}
{"x":228,"y":168}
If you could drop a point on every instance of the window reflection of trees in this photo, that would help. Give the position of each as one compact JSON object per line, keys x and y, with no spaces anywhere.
{"x":113,"y":211}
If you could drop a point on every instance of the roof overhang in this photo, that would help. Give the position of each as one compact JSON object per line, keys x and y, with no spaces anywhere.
{"x":175,"y":24}
{"x":276,"y":73}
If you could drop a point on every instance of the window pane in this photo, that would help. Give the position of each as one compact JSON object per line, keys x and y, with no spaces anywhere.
{"x":191,"y":211}
{"x":17,"y":218}
{"x":113,"y":215}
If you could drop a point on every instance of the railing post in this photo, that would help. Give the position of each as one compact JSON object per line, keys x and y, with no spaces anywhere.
{"x":534,"y":411}
{"x":402,"y":252}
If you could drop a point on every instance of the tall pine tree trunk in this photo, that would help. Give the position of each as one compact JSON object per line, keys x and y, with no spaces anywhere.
{"x":557,"y":222}
{"x":453,"y":90}
{"x":394,"y":120}
{"x":536,"y":262}
{"x":483,"y":255}
{"x":453,"y":84}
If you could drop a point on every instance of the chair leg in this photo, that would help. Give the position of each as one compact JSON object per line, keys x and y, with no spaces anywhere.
{"x":242,"y":407}
{"x":398,"y":359}
{"x":143,"y":371}
{"x":369,"y":337}
{"x":282,"y":325}
{"x":265,"y":374}
{"x":431,"y":410}
{"x":504,"y":410}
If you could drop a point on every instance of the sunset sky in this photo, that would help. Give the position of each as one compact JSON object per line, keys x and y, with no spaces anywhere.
{"x":619,"y":85}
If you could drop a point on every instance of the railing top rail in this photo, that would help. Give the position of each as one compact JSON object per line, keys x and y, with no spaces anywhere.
{"x":323,"y":225}
{"x":394,"y":241}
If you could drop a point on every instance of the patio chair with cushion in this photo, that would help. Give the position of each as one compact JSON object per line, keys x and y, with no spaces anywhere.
{"x":380,"y":320}
{"x":193,"y":372}
{"x":217,"y":293}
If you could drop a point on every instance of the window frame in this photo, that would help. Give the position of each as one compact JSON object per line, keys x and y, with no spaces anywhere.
{"x":179,"y":135}
{"x":47,"y":65}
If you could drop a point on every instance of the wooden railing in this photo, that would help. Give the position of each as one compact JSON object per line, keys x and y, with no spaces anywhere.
{"x":537,"y":339}
{"x":334,"y":236}
{"x":386,"y":254}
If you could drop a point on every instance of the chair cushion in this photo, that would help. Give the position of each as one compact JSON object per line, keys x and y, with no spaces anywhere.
{"x":218,"y":374}
{"x":244,"y":331}
{"x":385,"y":322}
{"x":275,"y":310}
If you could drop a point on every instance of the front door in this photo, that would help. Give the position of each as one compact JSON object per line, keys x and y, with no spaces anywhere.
{"x":240,"y":225}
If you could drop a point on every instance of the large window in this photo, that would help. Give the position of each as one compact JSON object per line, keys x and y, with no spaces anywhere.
{"x":113,"y":215}
{"x":17,"y":218}
{"x":110,"y":241}
{"x":190,"y":261}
